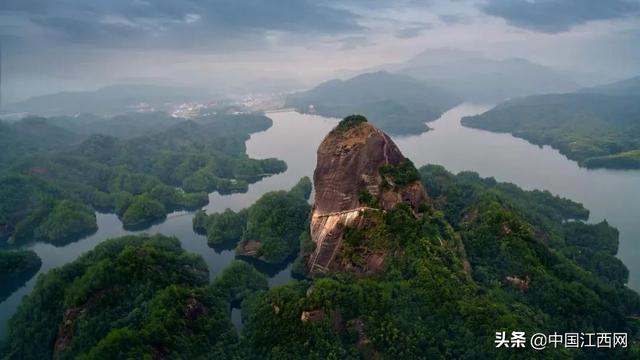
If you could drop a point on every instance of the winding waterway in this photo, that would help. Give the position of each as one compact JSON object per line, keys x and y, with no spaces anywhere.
{"x":611,"y":195}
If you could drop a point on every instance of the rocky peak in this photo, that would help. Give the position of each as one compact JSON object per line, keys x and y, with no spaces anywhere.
{"x":359,"y":168}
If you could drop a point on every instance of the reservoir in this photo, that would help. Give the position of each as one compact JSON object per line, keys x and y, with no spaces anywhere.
{"x":609,"y":194}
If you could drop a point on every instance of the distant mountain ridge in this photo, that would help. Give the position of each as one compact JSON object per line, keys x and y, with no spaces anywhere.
{"x":628,"y":87}
{"x":474,"y":77}
{"x":126,"y":126}
{"x":396,"y":103}
{"x":110,"y":100}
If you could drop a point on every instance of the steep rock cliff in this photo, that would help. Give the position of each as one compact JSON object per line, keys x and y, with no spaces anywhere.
{"x":359,"y":170}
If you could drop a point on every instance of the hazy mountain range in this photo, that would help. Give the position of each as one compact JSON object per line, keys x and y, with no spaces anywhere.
{"x":396,"y":103}
{"x":480,"y":79}
{"x":110,"y":100}
{"x":628,"y":87}
{"x":475,"y":77}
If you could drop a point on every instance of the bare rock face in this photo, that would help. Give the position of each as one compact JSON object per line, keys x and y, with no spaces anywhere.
{"x":347,"y":179}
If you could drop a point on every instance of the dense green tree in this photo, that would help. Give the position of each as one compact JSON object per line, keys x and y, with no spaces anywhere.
{"x":143,"y":210}
{"x":276,"y":221}
{"x":478,"y":258}
{"x":133,"y":297}
{"x":239,"y":280}
{"x":67,"y":221}
{"x":227,"y":226}
{"x":302,"y":188}
{"x":175,"y":198}
{"x":16,"y":267}
{"x":268,"y":230}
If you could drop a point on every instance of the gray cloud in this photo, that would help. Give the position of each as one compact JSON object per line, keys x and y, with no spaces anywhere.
{"x":354,"y":42}
{"x":412,"y":31}
{"x":450,"y":18}
{"x":53,"y":45}
{"x":168,"y":23}
{"x":554,"y":16}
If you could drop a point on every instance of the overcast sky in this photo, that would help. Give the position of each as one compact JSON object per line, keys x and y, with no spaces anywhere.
{"x":53,"y":45}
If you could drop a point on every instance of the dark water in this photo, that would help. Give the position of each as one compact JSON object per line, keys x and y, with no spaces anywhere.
{"x":611,"y":195}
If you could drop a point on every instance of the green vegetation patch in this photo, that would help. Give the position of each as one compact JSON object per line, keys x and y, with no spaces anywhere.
{"x":350,"y":121}
{"x":402,"y":174}
{"x":268,"y":230}
{"x":624,"y":160}
{"x":239,"y":280}
{"x":68,"y":220}
{"x":143,"y":210}
{"x":16,"y":268}
{"x":225,"y":227}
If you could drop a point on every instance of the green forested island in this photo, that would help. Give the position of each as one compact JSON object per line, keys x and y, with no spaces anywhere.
{"x":481,"y":257}
{"x":52,"y":178}
{"x":268,"y":230}
{"x":395,"y":103}
{"x":596,"y":130}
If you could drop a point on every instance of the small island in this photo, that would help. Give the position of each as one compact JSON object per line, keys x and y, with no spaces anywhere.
{"x":142,"y":211}
{"x":67,"y":220}
{"x":268,"y":230}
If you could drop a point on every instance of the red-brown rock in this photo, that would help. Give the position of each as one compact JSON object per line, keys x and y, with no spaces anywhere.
{"x":349,"y":161}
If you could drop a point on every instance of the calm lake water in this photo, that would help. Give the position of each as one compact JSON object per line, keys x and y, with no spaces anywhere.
{"x":611,"y":195}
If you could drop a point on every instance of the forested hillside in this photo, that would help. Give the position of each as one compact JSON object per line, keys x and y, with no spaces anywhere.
{"x":597,"y":131}
{"x":132,"y":297}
